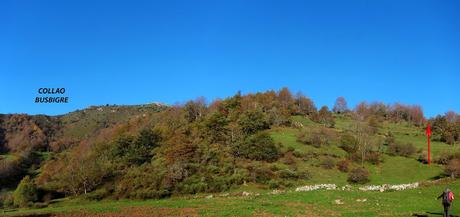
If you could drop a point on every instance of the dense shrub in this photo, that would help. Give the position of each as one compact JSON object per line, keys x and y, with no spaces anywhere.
{"x":218,"y":183}
{"x":145,"y":142}
{"x":304,"y":174}
{"x":278,"y":118}
{"x":287,"y":174}
{"x":6,"y":199}
{"x":358,"y":176}
{"x":445,"y":157}
{"x":260,"y":174}
{"x":453,"y":168}
{"x":289,"y":159}
{"x":298,"y":154}
{"x":328,"y":163}
{"x":446,"y":128}
{"x":374,"y":157}
{"x":198,"y":183}
{"x":343,"y":165}
{"x":290,"y":149}
{"x":324,"y":116}
{"x":193,"y":186}
{"x":257,"y":147}
{"x":215,"y":126}
{"x":98,"y":194}
{"x":389,"y":139}
{"x":405,"y":150}
{"x":317,"y":137}
{"x":77,"y":172}
{"x":135,"y":150}
{"x":374,"y":124}
{"x":253,"y":121}
{"x":274,"y":184}
{"x":349,"y":143}
{"x":25,"y":193}
{"x":277,"y":184}
{"x":317,"y":140}
{"x":208,"y":182}
{"x":142,"y":182}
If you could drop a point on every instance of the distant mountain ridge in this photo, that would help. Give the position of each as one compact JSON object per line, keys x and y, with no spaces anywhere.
{"x":31,"y":132}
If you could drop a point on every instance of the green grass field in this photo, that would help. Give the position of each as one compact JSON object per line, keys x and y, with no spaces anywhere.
{"x":393,"y":170}
{"x":421,"y":202}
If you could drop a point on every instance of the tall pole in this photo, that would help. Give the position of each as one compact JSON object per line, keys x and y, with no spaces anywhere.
{"x":428,"y":134}
{"x":429,"y":151}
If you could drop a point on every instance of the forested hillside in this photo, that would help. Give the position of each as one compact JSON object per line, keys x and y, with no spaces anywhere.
{"x":269,"y":140}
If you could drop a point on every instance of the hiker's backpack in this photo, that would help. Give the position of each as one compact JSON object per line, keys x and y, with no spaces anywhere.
{"x":448,"y":197}
{"x":451,"y":196}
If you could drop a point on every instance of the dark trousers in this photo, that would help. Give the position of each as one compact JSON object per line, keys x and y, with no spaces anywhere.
{"x":446,"y":209}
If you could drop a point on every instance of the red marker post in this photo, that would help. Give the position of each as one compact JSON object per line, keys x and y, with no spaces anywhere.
{"x":428,"y":134}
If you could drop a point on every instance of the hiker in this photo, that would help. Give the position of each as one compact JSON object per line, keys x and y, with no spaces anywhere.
{"x":447,"y":198}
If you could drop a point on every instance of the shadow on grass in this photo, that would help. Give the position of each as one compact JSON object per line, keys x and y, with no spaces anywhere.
{"x":431,"y":213}
{"x":438,"y":177}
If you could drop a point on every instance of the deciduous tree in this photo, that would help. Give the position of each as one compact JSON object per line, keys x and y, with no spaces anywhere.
{"x":304,"y":105}
{"x":340,"y":105}
{"x":325,"y":117}
{"x":25,"y":193}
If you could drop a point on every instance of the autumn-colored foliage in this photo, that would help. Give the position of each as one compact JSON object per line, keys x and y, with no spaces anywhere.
{"x":154,"y":151}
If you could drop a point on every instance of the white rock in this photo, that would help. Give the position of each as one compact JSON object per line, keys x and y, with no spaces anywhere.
{"x":316,"y":187}
{"x":276,"y":191}
{"x":346,"y":188}
{"x":386,"y":187}
{"x":246,"y":193}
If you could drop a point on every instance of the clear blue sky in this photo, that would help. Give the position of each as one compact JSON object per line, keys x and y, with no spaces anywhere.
{"x":135,"y":52}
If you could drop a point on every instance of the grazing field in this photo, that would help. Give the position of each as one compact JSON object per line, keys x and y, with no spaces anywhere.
{"x":414,"y":202}
{"x":393,"y":169}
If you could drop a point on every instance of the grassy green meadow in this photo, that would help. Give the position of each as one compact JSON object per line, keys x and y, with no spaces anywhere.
{"x":421,"y":202}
